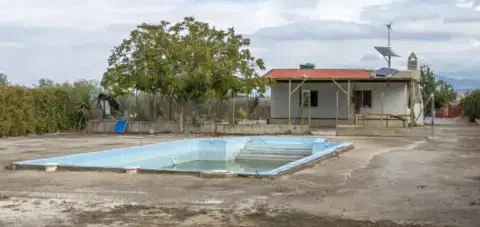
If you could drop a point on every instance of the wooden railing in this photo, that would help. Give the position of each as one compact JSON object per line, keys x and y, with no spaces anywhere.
{"x":384,"y":117}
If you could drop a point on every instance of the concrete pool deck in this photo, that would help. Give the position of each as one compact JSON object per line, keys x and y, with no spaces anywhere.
{"x":387,"y":180}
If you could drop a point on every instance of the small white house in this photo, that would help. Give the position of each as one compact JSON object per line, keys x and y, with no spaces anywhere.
{"x":385,"y":97}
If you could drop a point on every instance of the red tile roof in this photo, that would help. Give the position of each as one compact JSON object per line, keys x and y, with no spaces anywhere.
{"x":280,"y":74}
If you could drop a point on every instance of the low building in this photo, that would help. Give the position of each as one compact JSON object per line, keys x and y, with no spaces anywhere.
{"x":329,"y":97}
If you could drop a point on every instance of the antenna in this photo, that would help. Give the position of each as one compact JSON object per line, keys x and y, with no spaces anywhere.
{"x":389,"y":29}
{"x":387,"y":52}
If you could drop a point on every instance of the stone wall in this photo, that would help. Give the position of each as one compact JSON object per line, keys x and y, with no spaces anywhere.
{"x":106,"y":126}
{"x":248,"y":129}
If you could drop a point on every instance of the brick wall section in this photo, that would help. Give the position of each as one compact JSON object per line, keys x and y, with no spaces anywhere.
{"x":449,"y":111}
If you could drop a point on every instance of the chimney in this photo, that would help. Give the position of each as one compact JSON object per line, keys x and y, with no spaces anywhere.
{"x":412,"y":62}
{"x":307,"y":66}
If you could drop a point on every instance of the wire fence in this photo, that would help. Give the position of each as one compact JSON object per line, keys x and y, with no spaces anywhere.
{"x":149,"y":107}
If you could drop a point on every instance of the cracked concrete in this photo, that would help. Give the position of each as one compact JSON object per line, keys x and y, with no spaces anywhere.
{"x":382,"y":182}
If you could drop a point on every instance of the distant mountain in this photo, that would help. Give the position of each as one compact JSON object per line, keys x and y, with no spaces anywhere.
{"x":462,"y":84}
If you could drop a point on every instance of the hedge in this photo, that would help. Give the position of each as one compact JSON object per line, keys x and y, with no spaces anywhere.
{"x":33,"y":110}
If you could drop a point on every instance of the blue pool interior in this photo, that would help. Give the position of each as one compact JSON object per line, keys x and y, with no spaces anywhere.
{"x":264,"y":155}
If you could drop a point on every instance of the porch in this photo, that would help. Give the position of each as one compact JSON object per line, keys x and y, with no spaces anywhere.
{"x":371,"y":102}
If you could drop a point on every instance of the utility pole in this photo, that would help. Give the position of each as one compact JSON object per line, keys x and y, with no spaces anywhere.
{"x":433,"y":114}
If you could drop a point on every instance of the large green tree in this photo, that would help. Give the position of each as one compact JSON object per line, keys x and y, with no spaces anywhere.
{"x":444,"y":92}
{"x":188,"y":62}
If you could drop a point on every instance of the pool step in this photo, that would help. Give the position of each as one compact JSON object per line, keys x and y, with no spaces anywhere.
{"x":276,"y":151}
{"x":269,"y":157}
{"x":258,"y":144}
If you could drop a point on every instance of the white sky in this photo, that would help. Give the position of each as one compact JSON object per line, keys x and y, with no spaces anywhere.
{"x":71,"y":39}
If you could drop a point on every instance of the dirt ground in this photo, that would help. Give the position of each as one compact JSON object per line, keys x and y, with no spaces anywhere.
{"x":382,"y":182}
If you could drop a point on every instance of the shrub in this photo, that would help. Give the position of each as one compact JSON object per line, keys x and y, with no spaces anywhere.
{"x":471,"y":105}
{"x":32,"y":110}
{"x":241,"y":113}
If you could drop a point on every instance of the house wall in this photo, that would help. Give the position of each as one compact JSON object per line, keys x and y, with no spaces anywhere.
{"x":326,"y":101}
{"x":395,"y":96}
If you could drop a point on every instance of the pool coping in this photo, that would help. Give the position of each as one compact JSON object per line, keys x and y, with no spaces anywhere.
{"x":291,"y":167}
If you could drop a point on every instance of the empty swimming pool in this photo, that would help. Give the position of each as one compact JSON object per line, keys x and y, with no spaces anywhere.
{"x":262,"y":155}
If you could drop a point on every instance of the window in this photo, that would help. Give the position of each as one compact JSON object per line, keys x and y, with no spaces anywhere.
{"x":313,"y":98}
{"x":363,"y":99}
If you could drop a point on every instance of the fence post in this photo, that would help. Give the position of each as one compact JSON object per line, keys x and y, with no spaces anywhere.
{"x":383,"y":122}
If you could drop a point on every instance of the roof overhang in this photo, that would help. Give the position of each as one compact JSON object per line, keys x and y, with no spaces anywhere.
{"x":356,"y":80}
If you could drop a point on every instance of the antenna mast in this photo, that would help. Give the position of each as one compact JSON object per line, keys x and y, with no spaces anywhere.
{"x":389,"y":28}
{"x":387,"y":52}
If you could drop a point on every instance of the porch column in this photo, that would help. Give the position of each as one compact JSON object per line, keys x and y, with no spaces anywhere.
{"x":289,"y":101}
{"x":406,"y":98}
{"x":348,"y":99}
{"x":412,"y":102}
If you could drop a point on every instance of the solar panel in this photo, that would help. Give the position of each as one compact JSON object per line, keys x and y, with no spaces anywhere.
{"x":386,"y":71}
{"x":386,"y":51}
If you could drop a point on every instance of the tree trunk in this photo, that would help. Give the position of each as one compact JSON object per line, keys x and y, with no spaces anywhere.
{"x":154,"y":106}
{"x":136,"y":105}
{"x":170,"y":109}
{"x":194,"y":118}
{"x":210,"y":108}
{"x":165,"y":117}
{"x":471,"y":118}
{"x":217,"y":114}
{"x":181,"y":118}
{"x":233,"y":111}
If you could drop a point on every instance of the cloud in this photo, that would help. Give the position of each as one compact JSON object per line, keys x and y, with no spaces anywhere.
{"x":6,"y":44}
{"x":340,"y":30}
{"x":446,"y":11}
{"x":72,"y":39}
{"x":369,"y":57}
